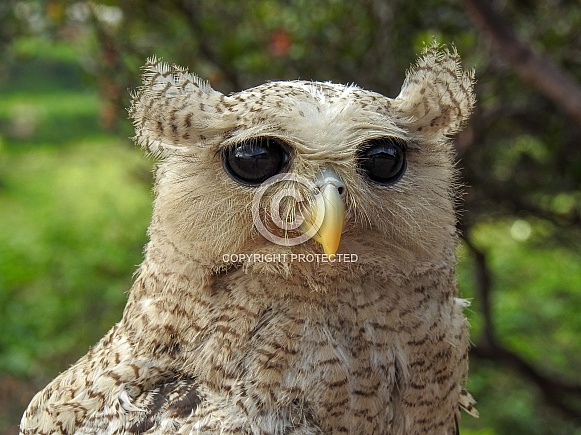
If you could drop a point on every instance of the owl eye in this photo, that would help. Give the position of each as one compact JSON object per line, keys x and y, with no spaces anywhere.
{"x":382,"y":160}
{"x":256,"y":160}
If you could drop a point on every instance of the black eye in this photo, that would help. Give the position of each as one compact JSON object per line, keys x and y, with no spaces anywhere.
{"x":253,"y":161}
{"x":383,"y":159}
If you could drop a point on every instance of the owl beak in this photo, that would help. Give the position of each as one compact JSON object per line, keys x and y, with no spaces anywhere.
{"x":327,"y":213}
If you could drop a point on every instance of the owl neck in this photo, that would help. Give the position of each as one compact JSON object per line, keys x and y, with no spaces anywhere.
{"x":183,"y":298}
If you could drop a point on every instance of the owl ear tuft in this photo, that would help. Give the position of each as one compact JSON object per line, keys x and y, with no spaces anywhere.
{"x":437,"y":96}
{"x":173,"y":110}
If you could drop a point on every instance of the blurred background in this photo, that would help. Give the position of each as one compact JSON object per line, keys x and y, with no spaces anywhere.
{"x":75,"y":192}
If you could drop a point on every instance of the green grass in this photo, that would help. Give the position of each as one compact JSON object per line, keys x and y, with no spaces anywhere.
{"x":56,"y":118}
{"x":74,"y":207}
{"x":73,"y":226}
{"x":63,"y":103}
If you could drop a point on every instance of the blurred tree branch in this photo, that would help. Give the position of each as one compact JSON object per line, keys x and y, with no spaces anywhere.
{"x":192,"y":11}
{"x":483,"y":284}
{"x":556,"y":393}
{"x":536,"y":68}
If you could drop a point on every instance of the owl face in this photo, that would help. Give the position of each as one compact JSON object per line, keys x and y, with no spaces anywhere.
{"x":291,"y":167}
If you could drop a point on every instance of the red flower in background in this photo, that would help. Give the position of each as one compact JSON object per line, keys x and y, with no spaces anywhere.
{"x":280,"y":42}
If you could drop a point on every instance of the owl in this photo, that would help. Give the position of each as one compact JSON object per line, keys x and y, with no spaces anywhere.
{"x":299,"y":274}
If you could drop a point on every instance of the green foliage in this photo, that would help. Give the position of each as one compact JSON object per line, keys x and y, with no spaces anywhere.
{"x":536,"y":302}
{"x":73,"y":223}
{"x":74,"y":204}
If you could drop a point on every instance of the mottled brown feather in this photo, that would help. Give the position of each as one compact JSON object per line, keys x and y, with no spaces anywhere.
{"x":379,"y":345}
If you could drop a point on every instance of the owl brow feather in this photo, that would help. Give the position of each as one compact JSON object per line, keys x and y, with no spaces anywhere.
{"x":155,"y":70}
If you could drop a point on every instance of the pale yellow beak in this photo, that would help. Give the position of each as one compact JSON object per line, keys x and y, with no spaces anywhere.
{"x":327,"y":214}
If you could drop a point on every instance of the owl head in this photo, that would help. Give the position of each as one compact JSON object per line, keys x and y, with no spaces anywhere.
{"x":297,"y":167}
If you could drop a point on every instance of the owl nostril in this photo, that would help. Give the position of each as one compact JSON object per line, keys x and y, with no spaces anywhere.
{"x":329,"y":176}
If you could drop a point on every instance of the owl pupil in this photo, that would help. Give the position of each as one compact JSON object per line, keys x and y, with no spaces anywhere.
{"x":254,"y":161}
{"x":382,"y":160}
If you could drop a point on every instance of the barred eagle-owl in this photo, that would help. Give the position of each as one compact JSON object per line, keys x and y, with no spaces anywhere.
{"x":299,"y":277}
